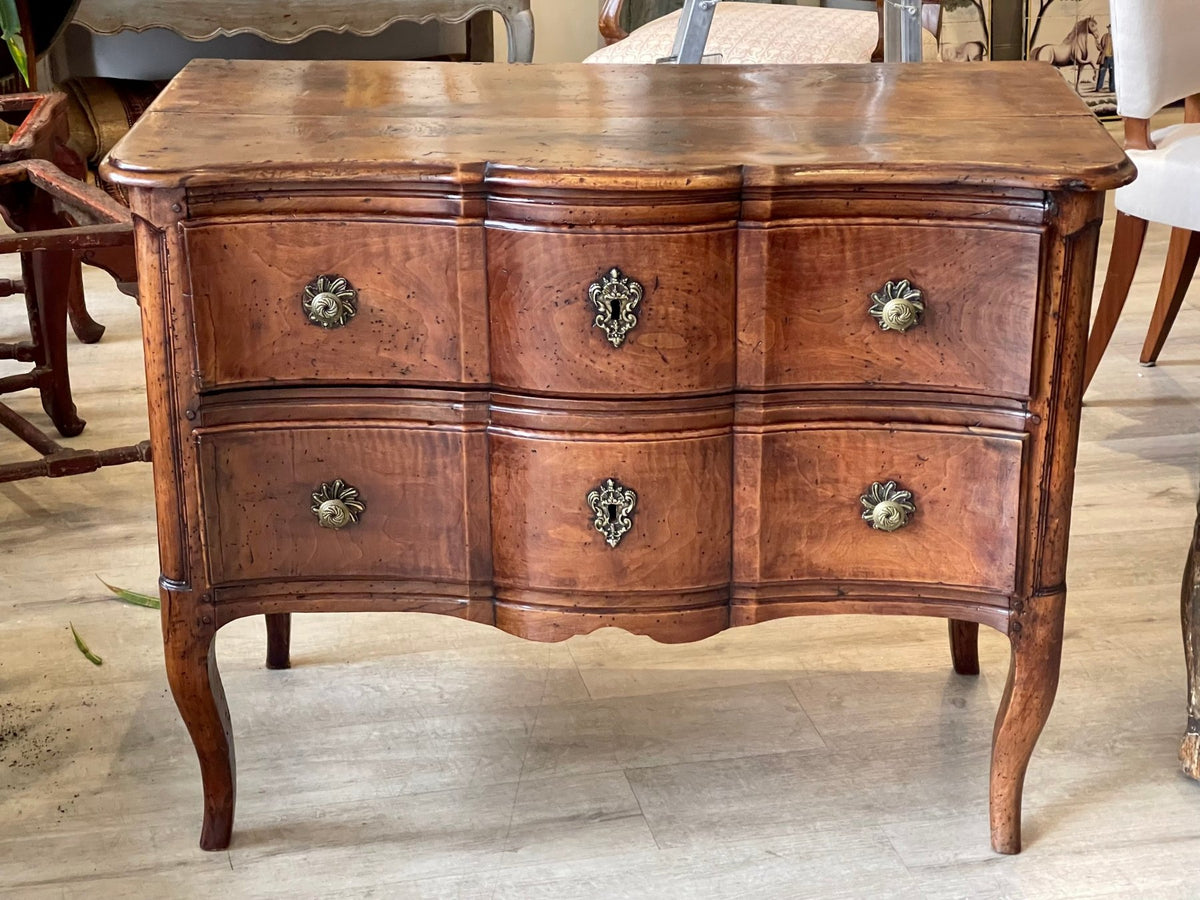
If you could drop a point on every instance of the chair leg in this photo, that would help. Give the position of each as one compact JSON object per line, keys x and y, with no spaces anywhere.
{"x":1128,"y":237}
{"x":1189,"y":750}
{"x":87,"y":329}
{"x":964,"y":646}
{"x":1182,"y":254}
{"x":50,"y":277}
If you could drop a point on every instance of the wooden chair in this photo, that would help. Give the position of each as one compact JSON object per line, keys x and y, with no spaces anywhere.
{"x":1156,"y":48}
{"x":751,"y":33}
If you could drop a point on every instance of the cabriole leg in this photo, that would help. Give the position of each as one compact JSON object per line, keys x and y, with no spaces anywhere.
{"x":1035,"y":634}
{"x":196,"y":685}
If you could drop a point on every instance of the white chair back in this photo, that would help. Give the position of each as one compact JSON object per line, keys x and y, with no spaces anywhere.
{"x":1156,"y":53}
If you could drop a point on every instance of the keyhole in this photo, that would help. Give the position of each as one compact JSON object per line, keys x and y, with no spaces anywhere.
{"x":612,"y":512}
{"x":615,"y":310}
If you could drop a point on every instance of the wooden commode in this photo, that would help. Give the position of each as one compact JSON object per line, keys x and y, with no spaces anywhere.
{"x":669,"y":349}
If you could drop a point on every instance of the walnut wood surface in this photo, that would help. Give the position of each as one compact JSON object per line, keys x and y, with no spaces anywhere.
{"x":256,"y":496}
{"x":786,"y":124}
{"x":501,"y":193}
{"x":542,"y":319}
{"x":419,"y":309}
{"x":805,"y":317}
{"x":800,"y":519}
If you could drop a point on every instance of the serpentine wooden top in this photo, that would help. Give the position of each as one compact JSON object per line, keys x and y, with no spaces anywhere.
{"x":620,"y":127}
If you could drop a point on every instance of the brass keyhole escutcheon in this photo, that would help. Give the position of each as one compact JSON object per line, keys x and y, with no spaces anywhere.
{"x":616,"y":298}
{"x":612,"y":505}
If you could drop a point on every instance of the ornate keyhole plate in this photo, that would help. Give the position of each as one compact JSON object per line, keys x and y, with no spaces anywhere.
{"x":615,"y":297}
{"x":612,"y":506}
{"x":898,"y":306}
{"x":887,"y":507}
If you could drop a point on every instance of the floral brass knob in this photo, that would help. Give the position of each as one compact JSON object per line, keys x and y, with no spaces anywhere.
{"x":887,"y":507}
{"x":329,"y":301}
{"x":616,"y":297}
{"x":898,"y":306}
{"x":612,"y":506}
{"x":336,"y":505}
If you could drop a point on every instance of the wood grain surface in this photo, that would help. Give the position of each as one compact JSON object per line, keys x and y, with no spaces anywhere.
{"x":420,"y":310}
{"x":800,"y":519}
{"x":257,"y":485}
{"x":805,"y":299}
{"x":542,"y":319}
{"x":666,"y":124}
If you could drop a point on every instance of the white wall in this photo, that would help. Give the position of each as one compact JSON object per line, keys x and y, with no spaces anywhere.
{"x":564,"y":31}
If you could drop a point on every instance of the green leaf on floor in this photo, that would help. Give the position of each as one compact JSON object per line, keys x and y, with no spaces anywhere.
{"x":83,"y":648}
{"x":132,"y":597}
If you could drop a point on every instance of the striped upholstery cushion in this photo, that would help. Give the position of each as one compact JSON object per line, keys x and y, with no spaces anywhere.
{"x":751,"y":33}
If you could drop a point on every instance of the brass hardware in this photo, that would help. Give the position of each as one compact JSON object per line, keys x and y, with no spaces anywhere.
{"x":615,"y":297}
{"x":329,"y":301}
{"x":898,"y":306}
{"x":336,"y":505}
{"x":887,"y":507}
{"x":612,"y":505}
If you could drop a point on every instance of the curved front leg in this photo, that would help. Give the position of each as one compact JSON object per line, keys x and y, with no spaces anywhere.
{"x":1189,"y":751}
{"x":1035,"y":634}
{"x":188,"y":633}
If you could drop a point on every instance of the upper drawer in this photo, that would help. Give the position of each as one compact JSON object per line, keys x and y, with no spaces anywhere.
{"x":628,"y":313}
{"x":807,"y":307}
{"x":315,"y":300}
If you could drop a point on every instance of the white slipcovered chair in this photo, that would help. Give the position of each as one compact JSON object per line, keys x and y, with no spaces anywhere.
{"x":1156,"y":50}
{"x":759,"y":33}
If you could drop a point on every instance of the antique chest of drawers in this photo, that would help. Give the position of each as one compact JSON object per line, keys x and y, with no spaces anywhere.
{"x":668,"y":349}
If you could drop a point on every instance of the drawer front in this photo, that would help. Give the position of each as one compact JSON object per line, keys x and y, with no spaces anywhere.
{"x":801,"y":507}
{"x":317,"y":300}
{"x":415,"y":486}
{"x":593,"y":314}
{"x":588,"y":517}
{"x":807,"y":296}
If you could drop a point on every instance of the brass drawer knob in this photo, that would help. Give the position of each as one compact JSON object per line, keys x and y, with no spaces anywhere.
{"x":336,"y":505}
{"x":612,"y":506}
{"x":616,"y":297}
{"x":898,"y":306}
{"x":329,"y":301}
{"x":887,"y":507}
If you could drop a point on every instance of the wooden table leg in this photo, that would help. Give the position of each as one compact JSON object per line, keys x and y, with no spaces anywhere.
{"x":196,"y":686}
{"x":279,"y":640}
{"x":1189,"y":752}
{"x":1035,"y":634}
{"x":964,"y":646}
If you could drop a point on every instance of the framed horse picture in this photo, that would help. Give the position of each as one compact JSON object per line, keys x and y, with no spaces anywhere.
{"x":1075,"y":37}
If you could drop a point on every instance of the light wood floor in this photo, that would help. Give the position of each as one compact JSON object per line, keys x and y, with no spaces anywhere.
{"x":409,"y":756}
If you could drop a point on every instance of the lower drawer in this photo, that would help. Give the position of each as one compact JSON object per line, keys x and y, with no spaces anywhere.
{"x":800,"y":496}
{"x":390,"y":502}
{"x":612,"y":523}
